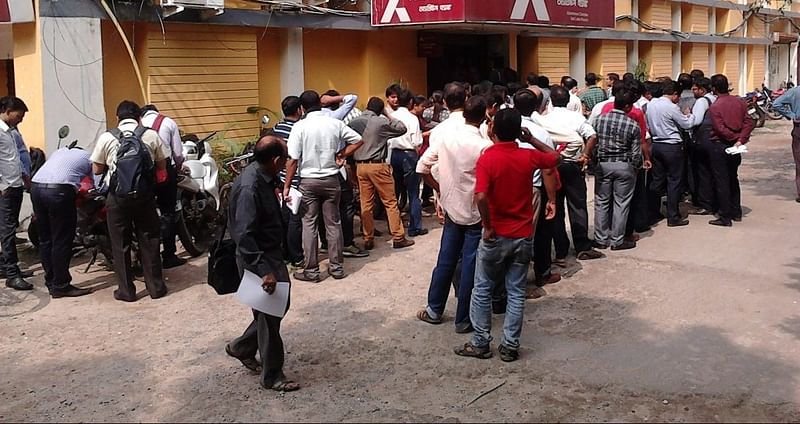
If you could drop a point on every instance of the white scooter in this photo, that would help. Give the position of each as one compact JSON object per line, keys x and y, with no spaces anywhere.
{"x":198,"y":196}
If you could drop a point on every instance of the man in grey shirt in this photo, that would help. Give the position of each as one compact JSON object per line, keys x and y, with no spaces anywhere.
{"x":665,"y":122}
{"x":374,"y":174}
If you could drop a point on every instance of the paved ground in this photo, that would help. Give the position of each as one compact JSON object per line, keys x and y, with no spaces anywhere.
{"x":698,"y":323}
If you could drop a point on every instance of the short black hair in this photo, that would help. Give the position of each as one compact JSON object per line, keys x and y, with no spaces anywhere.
{"x":393,"y":89}
{"x":635,"y":86}
{"x":404,"y":97}
{"x":617,"y":87}
{"x":532,"y":78}
{"x":496,"y":98}
{"x":623,"y":100}
{"x":437,"y":96}
{"x":420,"y":100}
{"x":686,"y":81}
{"x":543,"y":82}
{"x":515,"y":86}
{"x":290,"y":105}
{"x":654,"y":88}
{"x":128,"y":110}
{"x":559,"y":96}
{"x":455,"y":95}
{"x":704,"y":83}
{"x":696,"y":73}
{"x":332,"y":93}
{"x":268,"y":148}
{"x":568,"y":82}
{"x":507,"y":124}
{"x":720,"y":83}
{"x":591,"y":78}
{"x":12,"y":104}
{"x":376,"y":105}
{"x":475,"y":110}
{"x":628,"y":76}
{"x":310,"y":101}
{"x":670,"y":87}
{"x":148,"y":108}
{"x":613,"y":76}
{"x":527,"y":102}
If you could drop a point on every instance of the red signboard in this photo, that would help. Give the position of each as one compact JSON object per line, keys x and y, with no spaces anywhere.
{"x":412,"y":12}
{"x":572,"y":13}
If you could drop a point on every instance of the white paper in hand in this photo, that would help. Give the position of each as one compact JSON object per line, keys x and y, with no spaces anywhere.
{"x":297,"y":198}
{"x":251,"y":294}
{"x":736,"y":150}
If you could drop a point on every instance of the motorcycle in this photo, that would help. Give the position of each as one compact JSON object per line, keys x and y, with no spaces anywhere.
{"x":198,"y":196}
{"x":769,"y":98}
{"x":754,"y":110}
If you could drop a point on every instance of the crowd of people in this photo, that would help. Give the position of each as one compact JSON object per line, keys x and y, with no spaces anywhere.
{"x":502,"y":167}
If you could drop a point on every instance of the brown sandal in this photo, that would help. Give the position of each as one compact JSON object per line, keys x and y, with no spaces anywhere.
{"x":423,"y":316}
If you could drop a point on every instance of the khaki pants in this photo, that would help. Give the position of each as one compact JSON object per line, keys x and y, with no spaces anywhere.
{"x":377,"y":177}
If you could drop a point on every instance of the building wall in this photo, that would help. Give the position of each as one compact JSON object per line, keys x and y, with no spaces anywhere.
{"x":658,"y":56}
{"x":119,"y":78}
{"x":605,"y":56}
{"x":756,"y":67}
{"x":270,"y":50}
{"x":694,"y":56}
{"x":4,"y":78}
{"x":657,"y":13}
{"x":728,"y":64}
{"x":694,"y":18}
{"x":544,"y":56}
{"x":28,"y":81}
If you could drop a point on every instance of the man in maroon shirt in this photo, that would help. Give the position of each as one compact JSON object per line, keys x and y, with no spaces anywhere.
{"x":504,"y":194}
{"x":731,"y":127}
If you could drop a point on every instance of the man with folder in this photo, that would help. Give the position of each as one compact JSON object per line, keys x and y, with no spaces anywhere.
{"x":256,"y":226}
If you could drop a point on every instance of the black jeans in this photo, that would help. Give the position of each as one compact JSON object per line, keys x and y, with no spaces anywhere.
{"x":637,"y":217}
{"x":57,"y":219}
{"x":293,"y":237}
{"x":263,"y":335}
{"x":125,"y":216}
{"x":704,"y":180}
{"x":725,"y":172}
{"x":668,"y":164}
{"x":573,"y":189}
{"x":167,"y":197}
{"x":10,"y":204}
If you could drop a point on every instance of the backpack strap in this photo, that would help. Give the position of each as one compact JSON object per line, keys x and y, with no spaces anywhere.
{"x":116,"y":133}
{"x":157,"y":123}
{"x":139,"y":131}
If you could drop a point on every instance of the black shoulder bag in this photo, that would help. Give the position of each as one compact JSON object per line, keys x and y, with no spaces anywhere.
{"x":223,"y":273}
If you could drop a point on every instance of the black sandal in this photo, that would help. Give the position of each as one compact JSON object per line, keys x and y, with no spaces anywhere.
{"x":473,"y":351}
{"x":285,"y":386}
{"x":249,"y":363}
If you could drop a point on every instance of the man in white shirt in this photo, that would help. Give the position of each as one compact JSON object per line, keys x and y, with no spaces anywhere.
{"x":455,"y":153}
{"x":455,"y":104}
{"x":132,"y":212}
{"x":167,"y":192}
{"x":315,"y":150}
{"x":571,"y":85}
{"x":404,"y":160}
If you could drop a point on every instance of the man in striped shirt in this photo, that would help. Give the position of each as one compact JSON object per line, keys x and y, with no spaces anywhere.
{"x":292,"y":223}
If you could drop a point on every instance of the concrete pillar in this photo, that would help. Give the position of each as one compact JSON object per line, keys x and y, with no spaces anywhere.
{"x":577,"y":60}
{"x":712,"y":61}
{"x":633,"y":55}
{"x":512,"y":50}
{"x":743,"y":71}
{"x":292,"y":67}
{"x":676,"y":59}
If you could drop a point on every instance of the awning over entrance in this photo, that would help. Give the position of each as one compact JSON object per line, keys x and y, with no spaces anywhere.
{"x":569,"y":13}
{"x":16,"y":11}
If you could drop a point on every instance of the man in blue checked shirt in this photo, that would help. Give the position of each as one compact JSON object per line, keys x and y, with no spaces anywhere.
{"x":789,"y":106}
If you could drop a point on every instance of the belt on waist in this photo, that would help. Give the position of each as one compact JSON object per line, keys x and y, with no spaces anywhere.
{"x":604,"y":160}
{"x":53,"y":186}
{"x":406,"y":150}
{"x":371,"y":161}
{"x":667,"y":141}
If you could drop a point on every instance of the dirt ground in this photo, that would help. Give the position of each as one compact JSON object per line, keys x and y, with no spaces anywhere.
{"x":698,"y":323}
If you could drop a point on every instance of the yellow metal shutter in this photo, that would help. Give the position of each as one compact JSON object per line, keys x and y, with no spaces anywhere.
{"x":205,"y":77}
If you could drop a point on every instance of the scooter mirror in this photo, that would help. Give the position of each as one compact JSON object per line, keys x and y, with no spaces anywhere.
{"x":63,"y":132}
{"x":265,"y":120}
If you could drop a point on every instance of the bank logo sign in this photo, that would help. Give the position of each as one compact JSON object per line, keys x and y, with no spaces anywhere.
{"x":521,"y":9}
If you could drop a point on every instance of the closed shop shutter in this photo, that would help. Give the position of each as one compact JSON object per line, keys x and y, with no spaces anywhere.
{"x":694,"y":56}
{"x":728,"y":64}
{"x":205,"y":77}
{"x":756,"y":58}
{"x":661,"y":65}
{"x":553,"y":57}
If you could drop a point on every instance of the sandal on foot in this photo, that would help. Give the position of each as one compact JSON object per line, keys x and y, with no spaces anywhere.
{"x":507,"y":354}
{"x":423,"y":316}
{"x":473,"y":351}
{"x":249,"y":363}
{"x":282,"y":386}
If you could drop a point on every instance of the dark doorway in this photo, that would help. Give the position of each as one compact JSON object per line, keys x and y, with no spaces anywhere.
{"x":465,"y":57}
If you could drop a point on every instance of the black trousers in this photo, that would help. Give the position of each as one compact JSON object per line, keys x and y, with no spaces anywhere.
{"x":10,"y":204}
{"x":704,"y":180}
{"x":543,"y":240}
{"x":167,"y":197}
{"x":57,"y":219}
{"x":347,"y":212}
{"x":263,"y":335}
{"x":293,"y":236}
{"x":573,"y":190}
{"x":124,"y":217}
{"x":638,"y":220}
{"x":725,"y":172}
{"x":668,"y":165}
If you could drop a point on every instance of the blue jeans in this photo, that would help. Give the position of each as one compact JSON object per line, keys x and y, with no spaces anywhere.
{"x":404,"y":162}
{"x":500,"y":261}
{"x":458,"y":241}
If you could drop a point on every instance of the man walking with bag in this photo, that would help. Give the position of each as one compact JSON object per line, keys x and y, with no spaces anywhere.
{"x":135,"y":159}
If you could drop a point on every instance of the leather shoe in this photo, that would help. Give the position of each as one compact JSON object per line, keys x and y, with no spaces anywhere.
{"x":680,"y":223}
{"x":173,"y":262}
{"x":700,"y":211}
{"x":120,"y":297}
{"x":464,"y":328}
{"x":303,"y":276}
{"x":369,"y":244}
{"x":69,"y":291}
{"x":402,"y":243}
{"x":737,"y":218}
{"x":24,"y":274}
{"x":721,"y":222}
{"x":625,"y":245}
{"x":18,"y":283}
{"x":552,"y":278}
{"x":421,"y":232}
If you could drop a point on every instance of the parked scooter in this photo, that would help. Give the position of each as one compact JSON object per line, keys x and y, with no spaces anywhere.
{"x":198,"y":195}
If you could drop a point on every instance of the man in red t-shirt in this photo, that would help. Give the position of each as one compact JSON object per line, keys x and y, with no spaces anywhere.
{"x":504,"y":194}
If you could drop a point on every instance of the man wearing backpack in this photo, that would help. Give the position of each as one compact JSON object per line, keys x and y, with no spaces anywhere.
{"x":167,"y":192}
{"x":135,"y":159}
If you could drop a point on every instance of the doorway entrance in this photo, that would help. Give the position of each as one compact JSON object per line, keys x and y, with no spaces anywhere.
{"x":465,"y":57}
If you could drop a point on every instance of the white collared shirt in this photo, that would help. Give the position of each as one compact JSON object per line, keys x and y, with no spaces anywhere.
{"x":540,"y":134}
{"x":10,"y":165}
{"x":597,"y":110}
{"x":447,"y":128}
{"x":412,"y":139}
{"x":566,"y":127}
{"x":456,"y":156}
{"x":314,"y":142}
{"x":575,"y":104}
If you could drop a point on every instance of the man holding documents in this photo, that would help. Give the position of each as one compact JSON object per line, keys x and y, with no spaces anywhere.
{"x":731,"y":127}
{"x":256,"y":226}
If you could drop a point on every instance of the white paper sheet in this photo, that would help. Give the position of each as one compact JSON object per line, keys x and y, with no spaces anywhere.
{"x":297,"y":198}
{"x":736,"y":150}
{"x":251,"y":294}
